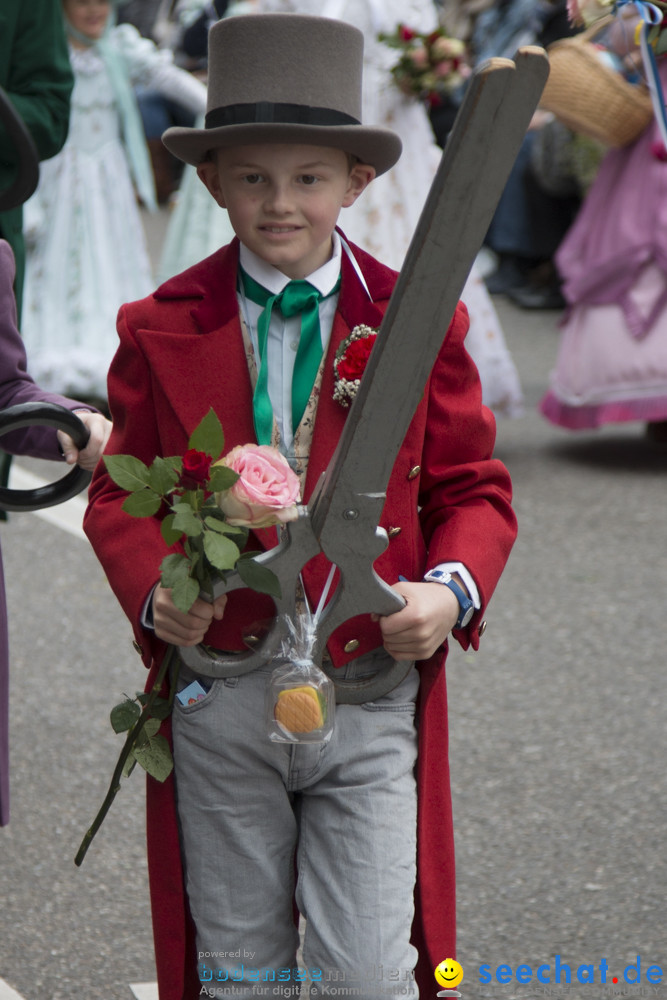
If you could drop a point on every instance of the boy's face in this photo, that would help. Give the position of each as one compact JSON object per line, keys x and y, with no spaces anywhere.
{"x":284,"y":199}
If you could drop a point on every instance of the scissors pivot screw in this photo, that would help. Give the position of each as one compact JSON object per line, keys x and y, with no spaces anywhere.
{"x":351,"y":514}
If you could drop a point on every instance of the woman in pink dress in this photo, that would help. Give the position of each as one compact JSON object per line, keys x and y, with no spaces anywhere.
{"x":612,"y":362}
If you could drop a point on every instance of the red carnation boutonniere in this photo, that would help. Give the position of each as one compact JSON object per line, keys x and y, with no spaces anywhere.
{"x":350,"y":363}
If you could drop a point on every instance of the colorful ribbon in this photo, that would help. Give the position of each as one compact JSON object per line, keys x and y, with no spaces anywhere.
{"x":650,"y":15}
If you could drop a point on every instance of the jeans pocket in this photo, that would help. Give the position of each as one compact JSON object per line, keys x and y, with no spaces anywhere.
{"x":402,"y":698}
{"x":193,"y":691}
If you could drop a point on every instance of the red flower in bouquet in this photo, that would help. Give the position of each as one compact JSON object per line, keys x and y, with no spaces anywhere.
{"x":405,"y":34}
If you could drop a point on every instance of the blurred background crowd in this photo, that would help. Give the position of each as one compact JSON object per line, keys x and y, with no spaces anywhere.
{"x":574,"y":230}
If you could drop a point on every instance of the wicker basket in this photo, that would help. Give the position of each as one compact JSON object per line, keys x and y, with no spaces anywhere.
{"x":591,"y":98}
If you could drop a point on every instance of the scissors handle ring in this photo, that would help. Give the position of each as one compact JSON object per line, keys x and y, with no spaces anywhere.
{"x":44,"y":415}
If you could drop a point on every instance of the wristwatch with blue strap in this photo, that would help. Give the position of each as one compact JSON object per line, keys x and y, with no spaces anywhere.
{"x":466,"y":606}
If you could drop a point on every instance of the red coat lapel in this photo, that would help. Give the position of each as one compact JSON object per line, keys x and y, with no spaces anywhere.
{"x":205,"y":339}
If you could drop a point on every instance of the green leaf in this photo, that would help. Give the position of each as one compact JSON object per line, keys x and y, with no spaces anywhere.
{"x":124,"y":716}
{"x":161,"y":707}
{"x":155,"y":757}
{"x":258,"y":577}
{"x":143,"y":503}
{"x":187,"y":522}
{"x":208,"y":436}
{"x":130,"y":765}
{"x":222,"y":478}
{"x":182,"y":506}
{"x":168,"y":533}
{"x":149,"y":729}
{"x":127,"y":472}
{"x":220,"y":551}
{"x":184,"y":593}
{"x":220,"y":525}
{"x":163,"y":475}
{"x":173,"y":569}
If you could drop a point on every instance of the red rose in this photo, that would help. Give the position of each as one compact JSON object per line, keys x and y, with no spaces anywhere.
{"x":351,"y":366}
{"x":406,"y":34}
{"x":196,"y":469}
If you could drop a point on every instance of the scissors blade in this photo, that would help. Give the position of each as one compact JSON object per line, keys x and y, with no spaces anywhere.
{"x":479,"y":155}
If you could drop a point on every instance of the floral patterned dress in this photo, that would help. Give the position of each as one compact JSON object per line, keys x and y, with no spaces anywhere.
{"x":86,"y":249}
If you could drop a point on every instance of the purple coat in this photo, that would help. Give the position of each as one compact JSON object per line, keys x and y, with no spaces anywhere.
{"x":16,"y":386}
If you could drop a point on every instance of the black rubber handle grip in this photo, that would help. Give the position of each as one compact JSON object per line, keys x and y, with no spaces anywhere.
{"x":45,"y":415}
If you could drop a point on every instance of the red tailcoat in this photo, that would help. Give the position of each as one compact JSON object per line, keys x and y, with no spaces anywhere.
{"x":181,"y":352}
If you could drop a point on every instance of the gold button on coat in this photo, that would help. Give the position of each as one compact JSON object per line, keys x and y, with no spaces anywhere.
{"x":137,"y":647}
{"x":393,"y":532}
{"x":482,"y":628}
{"x":350,"y":646}
{"x":414,"y":471}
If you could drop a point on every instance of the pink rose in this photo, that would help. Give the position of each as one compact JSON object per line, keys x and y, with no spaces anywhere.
{"x":444,"y":68}
{"x":419,"y":57}
{"x":266,"y":492}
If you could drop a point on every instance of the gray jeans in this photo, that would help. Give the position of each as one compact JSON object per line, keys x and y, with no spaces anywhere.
{"x":332,"y":825}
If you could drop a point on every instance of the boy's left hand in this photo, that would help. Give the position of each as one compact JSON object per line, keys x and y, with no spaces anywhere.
{"x":415,"y":632}
{"x":99,"y":429}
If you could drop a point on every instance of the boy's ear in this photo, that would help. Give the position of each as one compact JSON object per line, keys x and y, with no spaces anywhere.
{"x":207,"y":171}
{"x":359,"y":178}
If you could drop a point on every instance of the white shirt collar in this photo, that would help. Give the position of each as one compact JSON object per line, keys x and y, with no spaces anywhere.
{"x":324,"y":279}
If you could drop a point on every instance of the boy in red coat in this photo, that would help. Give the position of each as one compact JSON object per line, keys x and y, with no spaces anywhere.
{"x":358,"y":830}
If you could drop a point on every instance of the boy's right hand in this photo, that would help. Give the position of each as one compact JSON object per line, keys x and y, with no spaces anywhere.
{"x":180,"y":628}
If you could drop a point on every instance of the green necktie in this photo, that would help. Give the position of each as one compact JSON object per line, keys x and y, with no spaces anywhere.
{"x":297,"y":297}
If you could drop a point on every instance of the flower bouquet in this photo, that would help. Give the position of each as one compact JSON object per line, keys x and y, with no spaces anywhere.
{"x":207,"y":508}
{"x":430,"y":66}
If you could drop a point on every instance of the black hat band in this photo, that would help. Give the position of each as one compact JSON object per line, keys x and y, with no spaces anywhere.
{"x":267,"y":112}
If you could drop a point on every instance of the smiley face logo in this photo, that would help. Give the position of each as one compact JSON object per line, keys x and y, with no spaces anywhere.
{"x":448,"y":973}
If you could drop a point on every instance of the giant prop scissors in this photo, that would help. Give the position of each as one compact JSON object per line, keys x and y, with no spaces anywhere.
{"x":344,"y":512}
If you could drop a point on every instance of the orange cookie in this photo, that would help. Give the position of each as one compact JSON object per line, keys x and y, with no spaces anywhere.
{"x":299,"y":710}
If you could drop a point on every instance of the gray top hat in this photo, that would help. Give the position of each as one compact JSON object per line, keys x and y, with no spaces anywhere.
{"x":285,"y":78}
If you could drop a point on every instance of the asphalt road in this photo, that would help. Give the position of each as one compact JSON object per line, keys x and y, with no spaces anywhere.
{"x":558,"y":736}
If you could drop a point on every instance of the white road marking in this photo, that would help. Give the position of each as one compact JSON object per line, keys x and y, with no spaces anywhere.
{"x":142,"y":991}
{"x":68,"y":516}
{"x":7,"y":993}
